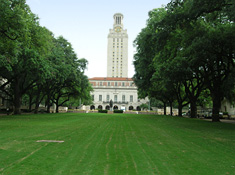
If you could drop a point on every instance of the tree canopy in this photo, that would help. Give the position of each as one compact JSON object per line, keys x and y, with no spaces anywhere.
{"x":190,"y":49}
{"x":35,"y":63}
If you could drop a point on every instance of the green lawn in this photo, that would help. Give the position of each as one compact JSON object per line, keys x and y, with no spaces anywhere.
{"x":115,"y":144}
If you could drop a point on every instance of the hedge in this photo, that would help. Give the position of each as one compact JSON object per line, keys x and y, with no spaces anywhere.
{"x":118,"y":111}
{"x":102,"y":111}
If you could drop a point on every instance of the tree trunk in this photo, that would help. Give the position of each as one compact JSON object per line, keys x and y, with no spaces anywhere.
{"x":57,"y":108}
{"x":30,"y":103}
{"x":17,"y":105}
{"x":180,"y":108}
{"x":164,"y":108}
{"x":37,"y":103}
{"x":216,"y":108}
{"x":48,"y":104}
{"x":48,"y":108}
{"x":171,"y":109}
{"x":17,"y":98}
{"x":193,"y":107}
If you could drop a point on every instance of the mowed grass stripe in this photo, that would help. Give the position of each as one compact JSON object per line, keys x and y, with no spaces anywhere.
{"x":115,"y":144}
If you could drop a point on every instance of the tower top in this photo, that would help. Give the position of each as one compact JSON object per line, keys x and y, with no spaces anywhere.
{"x":118,"y":14}
{"x":118,"y":20}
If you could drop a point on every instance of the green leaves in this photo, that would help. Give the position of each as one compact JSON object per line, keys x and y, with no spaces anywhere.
{"x":30,"y":56}
{"x":190,"y":43}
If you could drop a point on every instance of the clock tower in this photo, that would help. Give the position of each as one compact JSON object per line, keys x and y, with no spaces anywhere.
{"x":117,"y":60}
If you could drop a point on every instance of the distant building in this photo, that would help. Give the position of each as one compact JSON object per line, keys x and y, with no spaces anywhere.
{"x":228,"y":107}
{"x":116,"y":86}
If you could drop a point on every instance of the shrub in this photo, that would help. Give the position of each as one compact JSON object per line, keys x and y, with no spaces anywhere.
{"x":102,"y":111}
{"x":118,"y":111}
{"x":225,"y":113}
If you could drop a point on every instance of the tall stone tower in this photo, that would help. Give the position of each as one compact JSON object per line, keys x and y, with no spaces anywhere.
{"x":117,"y":61}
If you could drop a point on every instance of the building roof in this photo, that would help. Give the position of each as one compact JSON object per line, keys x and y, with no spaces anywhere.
{"x":111,"y":79}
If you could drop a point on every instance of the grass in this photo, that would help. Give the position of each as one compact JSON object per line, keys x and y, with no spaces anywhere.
{"x":115,"y":144}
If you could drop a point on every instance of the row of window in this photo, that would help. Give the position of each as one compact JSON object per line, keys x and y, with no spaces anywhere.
{"x":117,"y":47}
{"x":117,"y":43}
{"x":115,"y":84}
{"x":117,"y":40}
{"x":115,"y":98}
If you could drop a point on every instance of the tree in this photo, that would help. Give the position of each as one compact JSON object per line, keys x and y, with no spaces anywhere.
{"x":29,"y":44}
{"x":193,"y":44}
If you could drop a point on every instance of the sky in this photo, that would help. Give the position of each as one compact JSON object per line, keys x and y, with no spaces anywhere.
{"x":86,"y":23}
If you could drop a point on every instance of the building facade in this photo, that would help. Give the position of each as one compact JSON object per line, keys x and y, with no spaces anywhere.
{"x":116,"y":86}
{"x":122,"y":91}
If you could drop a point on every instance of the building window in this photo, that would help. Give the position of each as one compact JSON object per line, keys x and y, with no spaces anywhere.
{"x":100,"y":97}
{"x":109,"y":82}
{"x":107,"y":98}
{"x":131,"y":98}
{"x":123,"y":83}
{"x":93,"y":97}
{"x":116,"y":83}
{"x":115,"y":98}
{"x":100,"y":83}
{"x":123,"y":98}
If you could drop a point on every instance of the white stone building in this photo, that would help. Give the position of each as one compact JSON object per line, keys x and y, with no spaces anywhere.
{"x":117,"y":60}
{"x":122,"y":91}
{"x":116,"y":86}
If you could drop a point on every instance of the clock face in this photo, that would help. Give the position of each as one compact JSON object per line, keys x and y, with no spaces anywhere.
{"x":117,"y":29}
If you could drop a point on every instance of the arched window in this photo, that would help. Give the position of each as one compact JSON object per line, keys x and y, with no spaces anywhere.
{"x":131,"y":108}
{"x":138,"y":108}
